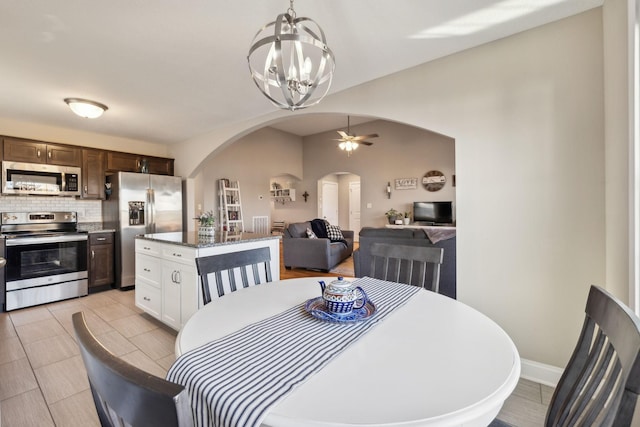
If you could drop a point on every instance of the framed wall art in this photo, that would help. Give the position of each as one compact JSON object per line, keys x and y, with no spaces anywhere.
{"x":406,"y":183}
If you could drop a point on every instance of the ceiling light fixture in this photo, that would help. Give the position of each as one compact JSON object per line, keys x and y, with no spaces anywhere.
{"x":290,"y":61}
{"x":86,"y":108}
{"x":348,"y":146}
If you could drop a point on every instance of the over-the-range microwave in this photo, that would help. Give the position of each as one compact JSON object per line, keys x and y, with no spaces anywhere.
{"x":40,"y":179}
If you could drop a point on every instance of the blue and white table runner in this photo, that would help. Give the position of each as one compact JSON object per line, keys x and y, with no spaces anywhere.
{"x":233,"y":381}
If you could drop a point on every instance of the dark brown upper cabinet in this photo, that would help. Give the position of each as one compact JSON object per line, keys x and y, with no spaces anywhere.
{"x":93,"y":173}
{"x":30,"y":151}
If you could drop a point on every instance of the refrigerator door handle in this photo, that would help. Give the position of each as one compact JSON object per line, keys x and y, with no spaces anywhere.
{"x":148,"y":217}
{"x":152,"y":210}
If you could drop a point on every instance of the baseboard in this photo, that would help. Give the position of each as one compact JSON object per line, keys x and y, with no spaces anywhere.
{"x":540,"y":372}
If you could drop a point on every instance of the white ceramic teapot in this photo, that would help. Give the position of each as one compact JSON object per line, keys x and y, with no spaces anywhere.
{"x":341,"y":296}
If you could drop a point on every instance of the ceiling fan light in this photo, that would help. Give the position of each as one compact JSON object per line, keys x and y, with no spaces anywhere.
{"x":86,"y":108}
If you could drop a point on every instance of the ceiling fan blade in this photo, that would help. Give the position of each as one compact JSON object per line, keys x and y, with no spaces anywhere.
{"x":365,"y":142}
{"x":361,"y":137}
{"x":344,"y":134}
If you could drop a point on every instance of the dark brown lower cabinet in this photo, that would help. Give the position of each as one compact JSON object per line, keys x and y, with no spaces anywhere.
{"x":101,"y":268}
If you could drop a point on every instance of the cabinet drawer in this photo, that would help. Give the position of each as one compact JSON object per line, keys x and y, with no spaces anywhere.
{"x":179,"y":253}
{"x":149,"y":269}
{"x":148,"y":247}
{"x":100,"y":238}
{"x":148,"y":298}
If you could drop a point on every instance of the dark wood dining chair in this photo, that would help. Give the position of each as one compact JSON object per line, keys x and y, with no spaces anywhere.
{"x":601,"y":383}
{"x":413,"y":265}
{"x":125,"y":395}
{"x":246,"y":264}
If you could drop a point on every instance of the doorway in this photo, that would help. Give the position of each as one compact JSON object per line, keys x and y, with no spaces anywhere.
{"x":339,"y":200}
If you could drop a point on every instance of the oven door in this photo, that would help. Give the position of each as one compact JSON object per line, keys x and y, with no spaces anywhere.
{"x":37,"y":261}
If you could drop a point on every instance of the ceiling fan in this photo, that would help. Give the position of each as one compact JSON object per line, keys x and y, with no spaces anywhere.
{"x":350,"y":142}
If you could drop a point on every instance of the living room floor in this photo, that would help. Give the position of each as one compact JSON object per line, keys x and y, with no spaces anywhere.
{"x":43,"y":381}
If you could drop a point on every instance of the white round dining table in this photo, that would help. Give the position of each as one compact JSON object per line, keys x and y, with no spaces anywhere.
{"x":433,"y":362}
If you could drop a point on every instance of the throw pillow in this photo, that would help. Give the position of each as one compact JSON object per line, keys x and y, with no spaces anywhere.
{"x":311,"y":234}
{"x":334,"y":233}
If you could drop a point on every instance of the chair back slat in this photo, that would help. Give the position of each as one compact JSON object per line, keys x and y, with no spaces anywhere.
{"x":243,"y":268}
{"x":125,"y":395}
{"x":600,"y":385}
{"x":407,"y":264}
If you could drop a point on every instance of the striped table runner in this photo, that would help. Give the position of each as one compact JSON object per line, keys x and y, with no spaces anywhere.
{"x":233,"y":381}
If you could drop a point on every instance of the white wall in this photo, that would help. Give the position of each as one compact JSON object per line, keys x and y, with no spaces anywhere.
{"x":616,"y":107}
{"x":86,"y":138}
{"x":400,"y":151}
{"x":259,"y":156}
{"x":526,"y":113}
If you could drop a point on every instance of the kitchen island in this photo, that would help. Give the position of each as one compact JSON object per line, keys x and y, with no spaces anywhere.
{"x":167,"y":283}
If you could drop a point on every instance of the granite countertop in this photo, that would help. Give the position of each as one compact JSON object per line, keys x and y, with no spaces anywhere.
{"x":192,"y":239}
{"x":94,"y":227}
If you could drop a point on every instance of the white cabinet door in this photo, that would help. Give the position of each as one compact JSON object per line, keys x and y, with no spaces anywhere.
{"x":189,"y":292}
{"x":171,"y":283}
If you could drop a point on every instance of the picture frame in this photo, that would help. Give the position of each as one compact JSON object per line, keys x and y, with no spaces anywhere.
{"x":406,"y":183}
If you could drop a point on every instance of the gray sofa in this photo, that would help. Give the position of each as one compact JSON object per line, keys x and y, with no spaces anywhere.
{"x":412,"y":237}
{"x":317,"y":254}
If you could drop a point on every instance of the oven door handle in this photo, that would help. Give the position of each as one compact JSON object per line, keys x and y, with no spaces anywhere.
{"x":39,"y":240}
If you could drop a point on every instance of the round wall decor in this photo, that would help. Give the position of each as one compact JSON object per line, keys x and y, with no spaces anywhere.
{"x":433,"y":180}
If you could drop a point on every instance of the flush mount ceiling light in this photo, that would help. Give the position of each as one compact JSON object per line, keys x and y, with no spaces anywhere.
{"x":290,"y":61}
{"x":86,"y":108}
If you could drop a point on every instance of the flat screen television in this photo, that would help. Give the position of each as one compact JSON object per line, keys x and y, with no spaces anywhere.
{"x":433,"y":212}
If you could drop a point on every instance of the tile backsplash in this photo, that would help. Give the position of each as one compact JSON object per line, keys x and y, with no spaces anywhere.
{"x":88,"y":210}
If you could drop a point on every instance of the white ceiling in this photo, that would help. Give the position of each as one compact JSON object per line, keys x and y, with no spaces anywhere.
{"x":172,"y":70}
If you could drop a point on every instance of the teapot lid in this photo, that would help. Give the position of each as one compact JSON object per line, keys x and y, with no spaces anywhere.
{"x":340,"y":282}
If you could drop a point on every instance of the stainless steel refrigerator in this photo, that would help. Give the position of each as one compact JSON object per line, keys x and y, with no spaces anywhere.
{"x":139,"y":203}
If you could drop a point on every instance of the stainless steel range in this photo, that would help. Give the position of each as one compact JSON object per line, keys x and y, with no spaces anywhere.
{"x":46,"y":258}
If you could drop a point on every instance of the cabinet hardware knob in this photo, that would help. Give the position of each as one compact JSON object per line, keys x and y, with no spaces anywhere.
{"x":93,"y":254}
{"x":101,"y":239}
{"x":49,"y":154}
{"x":38,"y":153}
{"x":147,"y":270}
{"x":146,"y":299}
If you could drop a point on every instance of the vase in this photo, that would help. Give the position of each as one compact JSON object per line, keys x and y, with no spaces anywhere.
{"x":407,"y":221}
{"x":204,"y":230}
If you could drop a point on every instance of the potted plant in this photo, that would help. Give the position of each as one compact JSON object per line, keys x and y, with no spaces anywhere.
{"x":407,"y":218}
{"x":392,"y":215}
{"x":207,"y":223}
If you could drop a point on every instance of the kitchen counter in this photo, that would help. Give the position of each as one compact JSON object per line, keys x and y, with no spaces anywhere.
{"x":193,"y":240}
{"x":94,"y":227}
{"x":167,"y":285}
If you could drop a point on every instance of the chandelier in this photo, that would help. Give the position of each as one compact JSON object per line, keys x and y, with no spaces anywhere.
{"x":290,"y":61}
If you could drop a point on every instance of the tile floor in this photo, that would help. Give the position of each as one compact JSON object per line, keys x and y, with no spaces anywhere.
{"x":43,"y":381}
{"x":42,"y":377}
